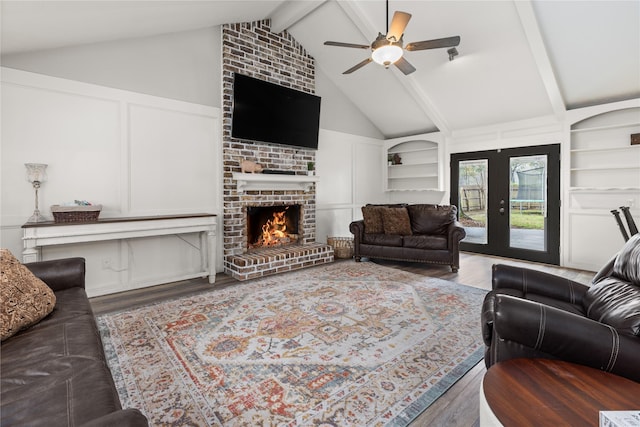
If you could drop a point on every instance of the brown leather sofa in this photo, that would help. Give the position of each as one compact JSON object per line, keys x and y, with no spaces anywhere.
{"x":55,"y":372}
{"x":533,"y":314}
{"x":432,"y":235}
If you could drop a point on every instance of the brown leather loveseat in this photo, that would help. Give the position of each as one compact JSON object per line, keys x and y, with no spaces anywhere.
{"x":418,"y":233}
{"x":534,"y":314}
{"x":54,"y":373}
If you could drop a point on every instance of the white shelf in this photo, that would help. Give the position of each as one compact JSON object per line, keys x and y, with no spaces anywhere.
{"x":602,"y":189}
{"x":605,"y":168}
{"x":605,"y":149}
{"x":415,"y":150}
{"x":413,"y":189}
{"x":607,"y":127}
{"x":259,"y":181}
{"x":415,"y":176}
{"x":414,"y":164}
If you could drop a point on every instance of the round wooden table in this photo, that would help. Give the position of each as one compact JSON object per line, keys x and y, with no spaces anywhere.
{"x":542,"y":392}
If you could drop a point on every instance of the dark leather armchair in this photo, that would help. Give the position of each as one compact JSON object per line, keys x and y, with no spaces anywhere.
{"x":534,"y":314}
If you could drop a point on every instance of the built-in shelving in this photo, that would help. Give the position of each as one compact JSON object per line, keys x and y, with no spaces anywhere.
{"x":418,"y":169}
{"x":601,"y":155}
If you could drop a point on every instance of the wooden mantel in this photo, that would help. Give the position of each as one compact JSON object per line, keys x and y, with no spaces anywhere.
{"x":263,"y":181}
{"x":37,"y":235}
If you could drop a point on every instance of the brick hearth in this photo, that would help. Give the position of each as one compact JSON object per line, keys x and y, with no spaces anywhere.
{"x":253,"y":50}
{"x":278,"y":260}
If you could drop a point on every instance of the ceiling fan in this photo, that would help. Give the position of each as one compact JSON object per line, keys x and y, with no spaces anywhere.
{"x":387,"y":49}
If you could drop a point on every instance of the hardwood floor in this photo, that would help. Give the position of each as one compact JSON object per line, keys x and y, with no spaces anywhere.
{"x":459,"y":405}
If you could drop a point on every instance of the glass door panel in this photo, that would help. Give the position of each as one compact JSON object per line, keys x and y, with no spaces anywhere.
{"x":472,"y":186}
{"x":528,"y":202}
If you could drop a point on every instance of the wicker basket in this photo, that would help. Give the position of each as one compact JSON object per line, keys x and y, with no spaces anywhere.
{"x":76,"y":213}
{"x":342,"y":246}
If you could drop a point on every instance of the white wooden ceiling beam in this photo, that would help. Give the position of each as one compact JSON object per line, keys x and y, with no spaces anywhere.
{"x":367,"y":28}
{"x":290,"y":12}
{"x":541,"y":58}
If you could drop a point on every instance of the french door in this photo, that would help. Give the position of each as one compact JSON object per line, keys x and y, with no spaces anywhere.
{"x":509,"y":201}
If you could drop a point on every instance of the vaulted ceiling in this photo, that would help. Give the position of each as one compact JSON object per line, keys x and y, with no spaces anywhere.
{"x":517,"y":59}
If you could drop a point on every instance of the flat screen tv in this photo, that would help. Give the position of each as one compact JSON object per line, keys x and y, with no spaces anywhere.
{"x":268,"y":112}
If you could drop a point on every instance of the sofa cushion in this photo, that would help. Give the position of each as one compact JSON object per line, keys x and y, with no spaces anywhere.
{"x":382,"y":239}
{"x":627,"y":264}
{"x":616,"y":303}
{"x":396,"y":221}
{"x":58,"y":390}
{"x":425,"y":242}
{"x":25,"y":299}
{"x":372,"y":216}
{"x":431,"y":219}
{"x":70,"y":329}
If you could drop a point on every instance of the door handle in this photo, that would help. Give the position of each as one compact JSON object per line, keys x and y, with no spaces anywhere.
{"x":501,"y":210}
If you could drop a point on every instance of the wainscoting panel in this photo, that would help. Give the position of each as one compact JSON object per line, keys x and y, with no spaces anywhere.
{"x":333,"y":222}
{"x":367,"y":175}
{"x":594,"y":238}
{"x":78,"y":136}
{"x":350,"y":177}
{"x":334,"y":166}
{"x":173,"y":161}
{"x":135,"y":154}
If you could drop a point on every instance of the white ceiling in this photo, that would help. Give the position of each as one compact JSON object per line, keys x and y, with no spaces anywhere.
{"x":518,"y":59}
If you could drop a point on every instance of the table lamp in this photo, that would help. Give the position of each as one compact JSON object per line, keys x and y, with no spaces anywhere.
{"x":36,"y":174}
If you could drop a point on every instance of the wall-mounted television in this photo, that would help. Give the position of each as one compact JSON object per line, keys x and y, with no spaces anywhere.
{"x":268,"y":112}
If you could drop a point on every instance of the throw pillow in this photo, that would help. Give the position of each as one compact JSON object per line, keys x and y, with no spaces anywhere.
{"x":616,"y":303}
{"x":25,"y":299}
{"x":627,"y":264}
{"x":396,"y":221}
{"x":372,"y":216}
{"x":432,"y":219}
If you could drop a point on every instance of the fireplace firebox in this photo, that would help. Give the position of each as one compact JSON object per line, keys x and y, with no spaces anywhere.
{"x":269,"y":226}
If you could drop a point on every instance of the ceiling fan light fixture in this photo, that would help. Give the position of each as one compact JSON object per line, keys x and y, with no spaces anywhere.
{"x":387,"y":54}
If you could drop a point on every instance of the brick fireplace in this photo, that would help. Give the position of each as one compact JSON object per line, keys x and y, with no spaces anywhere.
{"x":253,"y":50}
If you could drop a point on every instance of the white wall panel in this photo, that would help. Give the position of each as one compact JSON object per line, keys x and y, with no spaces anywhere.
{"x":135,"y":154}
{"x":594,"y":238}
{"x":350,"y":176}
{"x":77,"y":136}
{"x":333,"y":222}
{"x":173,"y":161}
{"x":334,"y":160}
{"x":367,"y":174}
{"x":152,"y":263}
{"x":100,"y":279}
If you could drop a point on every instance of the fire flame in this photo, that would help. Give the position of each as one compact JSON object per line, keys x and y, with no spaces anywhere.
{"x":273,"y":231}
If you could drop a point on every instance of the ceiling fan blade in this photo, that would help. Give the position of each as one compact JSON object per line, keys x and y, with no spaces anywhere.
{"x":404,"y":66}
{"x":358,"y":66}
{"x":434,"y":44}
{"x":398,"y":24}
{"x":357,"y":46}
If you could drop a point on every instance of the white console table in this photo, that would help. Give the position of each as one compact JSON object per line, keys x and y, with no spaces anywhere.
{"x":37,"y":235}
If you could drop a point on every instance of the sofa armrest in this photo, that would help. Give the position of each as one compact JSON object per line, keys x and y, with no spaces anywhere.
{"x":536,"y":282}
{"x":60,"y":274}
{"x":122,"y":418}
{"x":562,"y":335}
{"x":455,"y":233}
{"x":357,"y":228}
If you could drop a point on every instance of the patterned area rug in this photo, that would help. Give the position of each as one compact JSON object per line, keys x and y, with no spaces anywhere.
{"x":346,"y":344}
